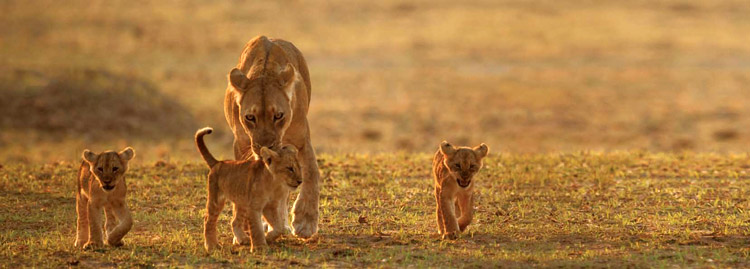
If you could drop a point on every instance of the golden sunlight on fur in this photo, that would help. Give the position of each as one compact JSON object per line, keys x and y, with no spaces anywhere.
{"x":266,"y":104}
{"x":256,"y":188}
{"x":453,"y":169}
{"x":101,"y":185}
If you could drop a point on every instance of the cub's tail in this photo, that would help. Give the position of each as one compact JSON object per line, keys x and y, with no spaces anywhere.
{"x":210,"y":160}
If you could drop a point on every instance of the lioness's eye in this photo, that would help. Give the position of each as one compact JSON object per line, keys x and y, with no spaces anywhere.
{"x":290,"y":169}
{"x":100,"y":169}
{"x":114,"y":169}
{"x":250,"y":118}
{"x":278,"y":116}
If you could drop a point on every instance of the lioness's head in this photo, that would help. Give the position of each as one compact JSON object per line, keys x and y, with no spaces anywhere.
{"x":283,"y":164}
{"x":108,"y":167}
{"x":265,"y":101}
{"x":463,"y":162}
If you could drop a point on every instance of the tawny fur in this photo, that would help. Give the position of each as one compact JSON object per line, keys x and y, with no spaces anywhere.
{"x":453,"y":169}
{"x":257,"y":189}
{"x":266,"y":104}
{"x":101,"y":186}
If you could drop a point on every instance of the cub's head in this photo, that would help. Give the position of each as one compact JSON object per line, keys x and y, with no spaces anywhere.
{"x":283,"y":164}
{"x":463,"y":162}
{"x":108,"y":167}
{"x":265,"y":99}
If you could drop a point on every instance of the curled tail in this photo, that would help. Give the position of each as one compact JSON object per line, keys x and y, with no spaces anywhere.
{"x":210,"y":160}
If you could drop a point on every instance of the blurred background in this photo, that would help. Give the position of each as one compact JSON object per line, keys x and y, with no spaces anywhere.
{"x":387,"y":76}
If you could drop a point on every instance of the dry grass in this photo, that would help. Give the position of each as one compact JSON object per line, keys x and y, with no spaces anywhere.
{"x":551,"y":210}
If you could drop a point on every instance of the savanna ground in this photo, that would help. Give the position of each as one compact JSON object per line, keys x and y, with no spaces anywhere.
{"x":582,"y":209}
{"x":656,"y":91}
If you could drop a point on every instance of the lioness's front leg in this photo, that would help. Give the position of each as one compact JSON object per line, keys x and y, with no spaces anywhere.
{"x":122,"y":213}
{"x":305,"y":210}
{"x":95,"y":225}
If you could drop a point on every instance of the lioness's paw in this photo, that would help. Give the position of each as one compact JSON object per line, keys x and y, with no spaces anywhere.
{"x":304,"y":229}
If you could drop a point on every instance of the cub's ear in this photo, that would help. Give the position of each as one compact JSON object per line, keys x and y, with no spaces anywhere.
{"x":482,"y":150}
{"x":290,"y":78}
{"x":267,"y":155}
{"x":89,"y":156}
{"x":289,"y":148}
{"x":238,"y":79}
{"x":127,"y":154}
{"x":446,"y":148}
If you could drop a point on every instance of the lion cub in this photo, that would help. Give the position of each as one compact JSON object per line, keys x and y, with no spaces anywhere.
{"x":255,"y":187}
{"x":453,"y":169}
{"x":101,"y":185}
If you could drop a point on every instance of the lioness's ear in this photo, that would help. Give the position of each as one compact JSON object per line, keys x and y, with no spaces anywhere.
{"x":238,"y":79}
{"x":446,"y":148}
{"x":89,"y":156}
{"x":127,"y":154}
{"x":289,"y":76}
{"x":482,"y":150}
{"x":267,"y":155}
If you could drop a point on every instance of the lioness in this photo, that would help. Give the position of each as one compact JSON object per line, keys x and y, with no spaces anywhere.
{"x":266,"y":104}
{"x":255,"y":187}
{"x":453,"y":169}
{"x":101,"y":184}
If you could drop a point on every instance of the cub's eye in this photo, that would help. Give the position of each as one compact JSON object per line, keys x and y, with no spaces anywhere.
{"x":114,"y":169}
{"x":278,"y":116}
{"x":472,"y":167}
{"x":250,"y":118}
{"x":457,"y":166}
{"x":291,"y":170}
{"x":100,"y":169}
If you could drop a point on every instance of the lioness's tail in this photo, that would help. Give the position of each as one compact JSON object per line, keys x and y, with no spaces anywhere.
{"x":210,"y":160}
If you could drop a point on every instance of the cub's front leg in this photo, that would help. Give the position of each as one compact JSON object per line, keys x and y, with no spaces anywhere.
{"x":95,"y":225}
{"x":439,"y":213}
{"x":125,"y":223}
{"x":82,"y":228}
{"x":447,"y":211}
{"x":465,"y":203}
{"x":275,"y":218}
{"x":257,"y":235}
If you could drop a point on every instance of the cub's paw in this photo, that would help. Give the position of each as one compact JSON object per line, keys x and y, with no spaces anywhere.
{"x":93,"y":245}
{"x":211,"y":246}
{"x":259,"y":248}
{"x":240,"y":241}
{"x":450,"y":236}
{"x":114,"y":243}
